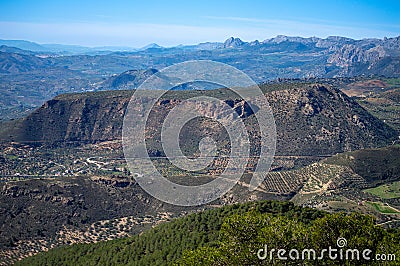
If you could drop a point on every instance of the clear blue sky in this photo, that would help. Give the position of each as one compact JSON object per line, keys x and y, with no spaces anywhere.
{"x":137,"y":23}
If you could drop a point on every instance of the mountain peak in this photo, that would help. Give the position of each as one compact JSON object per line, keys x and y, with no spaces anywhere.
{"x":233,"y":42}
{"x":151,"y":46}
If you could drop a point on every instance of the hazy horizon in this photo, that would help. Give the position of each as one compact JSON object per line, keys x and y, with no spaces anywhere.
{"x":189,"y":44}
{"x":136,"y":24}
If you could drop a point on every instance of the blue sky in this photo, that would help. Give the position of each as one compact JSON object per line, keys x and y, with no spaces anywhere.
{"x":168,"y":23}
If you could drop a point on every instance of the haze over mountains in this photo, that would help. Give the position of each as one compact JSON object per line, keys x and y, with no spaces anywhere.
{"x":231,"y":42}
{"x":33,"y":73}
{"x":341,"y":52}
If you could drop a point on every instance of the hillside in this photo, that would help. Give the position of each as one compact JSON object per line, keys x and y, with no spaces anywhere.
{"x":57,"y":196}
{"x":345,"y":182}
{"x":310,"y":119}
{"x":271,"y":59}
{"x":385,"y":106}
{"x":357,"y":169}
{"x":15,"y":63}
{"x":374,"y":165}
{"x":130,"y":79}
{"x":58,"y":161}
{"x":226,"y":235}
{"x":69,"y":211}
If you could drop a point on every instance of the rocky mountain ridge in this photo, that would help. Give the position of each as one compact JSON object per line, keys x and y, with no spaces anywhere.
{"x":310,"y":119}
{"x":29,"y":78}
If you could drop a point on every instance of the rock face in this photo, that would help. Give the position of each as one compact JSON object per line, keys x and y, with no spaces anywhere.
{"x":310,"y":120}
{"x":392,"y":43}
{"x":349,"y":54}
{"x":233,"y":42}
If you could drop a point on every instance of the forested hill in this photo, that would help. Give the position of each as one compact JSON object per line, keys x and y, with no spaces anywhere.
{"x":230,"y":236}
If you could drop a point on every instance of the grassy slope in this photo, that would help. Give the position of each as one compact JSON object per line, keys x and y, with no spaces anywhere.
{"x":386,"y":191}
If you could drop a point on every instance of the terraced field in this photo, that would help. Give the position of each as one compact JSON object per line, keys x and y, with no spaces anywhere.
{"x":283,"y":182}
{"x":315,"y":178}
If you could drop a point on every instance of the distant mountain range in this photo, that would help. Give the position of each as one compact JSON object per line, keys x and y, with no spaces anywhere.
{"x":336,"y":51}
{"x":32,"y":73}
{"x":69,"y":49}
{"x":332,"y":42}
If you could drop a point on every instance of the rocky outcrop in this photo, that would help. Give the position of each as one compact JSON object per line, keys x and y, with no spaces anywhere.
{"x":350,"y":54}
{"x":233,"y":43}
{"x":309,"y":120}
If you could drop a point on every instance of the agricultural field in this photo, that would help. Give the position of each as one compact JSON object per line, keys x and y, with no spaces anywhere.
{"x":283,"y":182}
{"x":383,"y":208}
{"x":385,"y":106}
{"x":386,"y":191}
